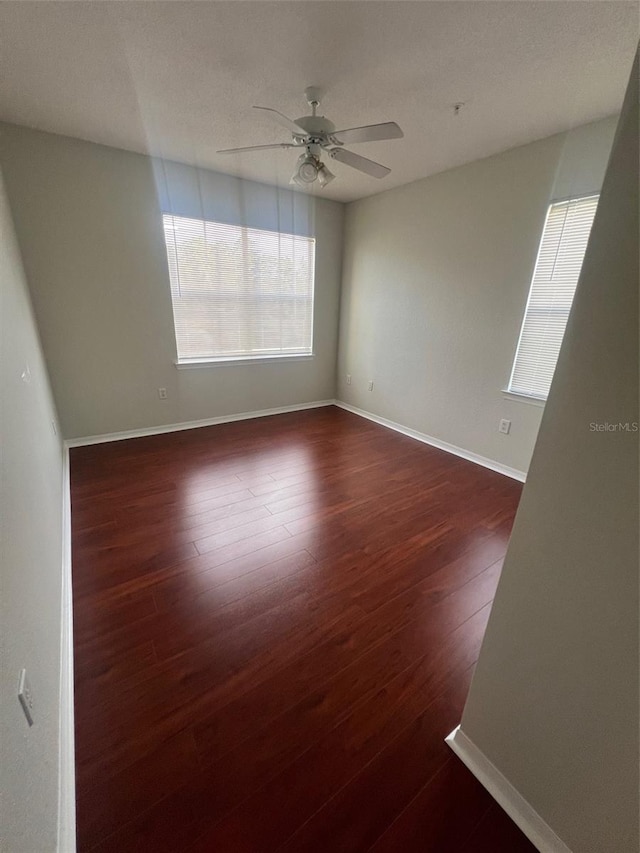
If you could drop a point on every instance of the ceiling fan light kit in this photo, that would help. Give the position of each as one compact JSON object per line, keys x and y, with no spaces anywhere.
{"x":324,"y":176}
{"x":316,"y":134}
{"x":309,"y":169}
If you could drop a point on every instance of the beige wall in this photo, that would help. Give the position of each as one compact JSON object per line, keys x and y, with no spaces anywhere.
{"x":88,"y":219}
{"x":430,"y":311}
{"x":30,"y":566}
{"x":554,"y":701}
{"x":435,"y":281}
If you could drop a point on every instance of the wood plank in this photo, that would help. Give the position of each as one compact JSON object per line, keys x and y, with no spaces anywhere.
{"x":263,"y":820}
{"x":442,"y":816}
{"x":348,"y":665}
{"x":276,"y":623}
{"x":497,"y":831}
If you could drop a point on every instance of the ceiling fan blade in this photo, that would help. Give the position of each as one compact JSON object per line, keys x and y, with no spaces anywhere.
{"x":257,"y":148}
{"x":362,"y":164}
{"x":284,"y":121}
{"x":369,"y":133}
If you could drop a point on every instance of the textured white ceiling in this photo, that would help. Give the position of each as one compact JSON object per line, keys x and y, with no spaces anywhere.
{"x":178,"y":79}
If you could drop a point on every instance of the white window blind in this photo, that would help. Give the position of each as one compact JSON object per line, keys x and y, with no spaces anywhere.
{"x":560,"y":256}
{"x":239,"y":292}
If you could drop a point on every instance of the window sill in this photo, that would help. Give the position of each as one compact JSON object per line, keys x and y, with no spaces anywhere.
{"x":187,"y":364}
{"x":523,"y":398}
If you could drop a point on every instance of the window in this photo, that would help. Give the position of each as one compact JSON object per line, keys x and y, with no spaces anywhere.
{"x":239,"y":292}
{"x":560,"y":256}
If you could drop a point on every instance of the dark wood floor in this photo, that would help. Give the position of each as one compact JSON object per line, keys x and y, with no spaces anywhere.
{"x":276,"y":622}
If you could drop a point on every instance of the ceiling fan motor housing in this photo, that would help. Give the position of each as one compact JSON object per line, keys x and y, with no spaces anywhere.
{"x":317,"y":127}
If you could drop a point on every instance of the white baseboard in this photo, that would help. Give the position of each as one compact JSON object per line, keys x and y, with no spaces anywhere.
{"x":521,"y":813}
{"x":514,"y":473}
{"x":66,"y":762}
{"x":299,"y":407}
{"x":163,"y":428}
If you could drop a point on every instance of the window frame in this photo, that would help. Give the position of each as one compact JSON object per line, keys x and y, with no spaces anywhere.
{"x":516,"y":394}
{"x":273,"y":357}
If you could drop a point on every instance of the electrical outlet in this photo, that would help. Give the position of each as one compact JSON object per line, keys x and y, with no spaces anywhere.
{"x":504,"y":426}
{"x":348,"y":379}
{"x":162,"y":393}
{"x":370,"y":386}
{"x":25,"y":695}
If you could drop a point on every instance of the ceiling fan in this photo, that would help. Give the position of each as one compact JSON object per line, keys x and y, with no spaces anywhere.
{"x":315,"y":134}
